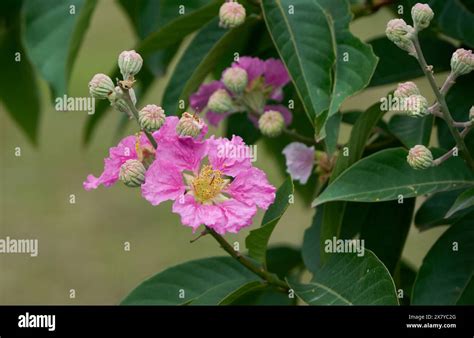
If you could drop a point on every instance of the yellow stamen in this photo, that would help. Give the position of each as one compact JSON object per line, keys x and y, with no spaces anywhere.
{"x":208,"y":184}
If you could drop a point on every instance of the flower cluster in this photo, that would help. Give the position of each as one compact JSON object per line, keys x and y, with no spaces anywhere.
{"x":171,"y":159}
{"x":250,"y":85}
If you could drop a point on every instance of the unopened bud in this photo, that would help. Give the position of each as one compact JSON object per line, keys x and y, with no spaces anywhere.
{"x":462,"y":62}
{"x":132,"y":173}
{"x":151,"y":117}
{"x":400,"y":33}
{"x":101,"y":86}
{"x":130,"y":63}
{"x":406,"y":89}
{"x":220,"y":102}
{"x":421,"y":15}
{"x":271,"y":123}
{"x":420,"y":157}
{"x":416,"y":106}
{"x":235,"y":79}
{"x":231,"y":14}
{"x":189,"y":125}
{"x":118,"y":101}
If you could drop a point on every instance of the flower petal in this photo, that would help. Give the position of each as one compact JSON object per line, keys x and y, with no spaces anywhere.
{"x":253,"y":65}
{"x":299,"y":161}
{"x":163,"y":181}
{"x":229,"y":156}
{"x":275,"y":73}
{"x":252,"y":187}
{"x":198,"y":100}
{"x":238,"y":215}
{"x":194,"y":214}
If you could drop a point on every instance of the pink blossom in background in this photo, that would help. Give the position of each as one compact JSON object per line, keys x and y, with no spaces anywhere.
{"x":299,"y":161}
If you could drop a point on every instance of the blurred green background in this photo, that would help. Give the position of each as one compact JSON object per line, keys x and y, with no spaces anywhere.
{"x":81,"y":245}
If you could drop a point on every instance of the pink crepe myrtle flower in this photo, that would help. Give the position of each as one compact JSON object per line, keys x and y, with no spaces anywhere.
{"x":140,"y":148}
{"x":265,"y":81}
{"x":208,"y":185}
{"x":300,"y":161}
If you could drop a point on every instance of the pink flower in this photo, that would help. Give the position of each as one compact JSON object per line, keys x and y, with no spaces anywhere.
{"x":211,"y":182}
{"x":299,"y":161}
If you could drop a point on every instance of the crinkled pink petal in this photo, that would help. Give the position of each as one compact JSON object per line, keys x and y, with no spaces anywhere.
{"x":184,"y":153}
{"x":287,"y":115}
{"x":299,"y":161}
{"x":118,"y":155}
{"x":194,"y":214}
{"x":252,"y":187}
{"x":198,"y":101}
{"x":238,"y":215}
{"x":163,"y":181}
{"x":275,"y":73}
{"x":231,"y":157}
{"x":254,"y":66}
{"x":215,"y":118}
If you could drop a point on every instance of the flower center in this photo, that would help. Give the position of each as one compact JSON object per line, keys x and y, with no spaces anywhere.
{"x":208,"y":184}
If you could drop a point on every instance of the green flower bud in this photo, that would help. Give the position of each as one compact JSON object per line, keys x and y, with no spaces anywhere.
{"x":132,"y":173}
{"x":220,"y":102}
{"x":189,"y":125}
{"x":271,"y":123}
{"x":231,"y":14}
{"x":400,"y":33}
{"x":421,"y":15}
{"x":416,"y":106}
{"x":100,"y":86}
{"x":235,"y":79}
{"x":130,"y":63}
{"x":118,"y":102}
{"x":406,"y":89}
{"x":151,"y":117}
{"x":420,"y":157}
{"x":462,"y":62}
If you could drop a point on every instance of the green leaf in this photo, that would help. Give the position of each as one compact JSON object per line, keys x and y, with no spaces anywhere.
{"x":334,"y":212}
{"x":165,"y":37}
{"x":404,"y":279}
{"x":53,"y":47}
{"x":314,"y":43}
{"x":386,"y":175}
{"x":347,"y":279}
{"x":257,"y":240}
{"x":433,"y":211}
{"x":227,"y":292}
{"x":283,"y":260}
{"x":445,"y":277}
{"x":210,"y":45}
{"x":266,"y":296}
{"x":311,"y":249}
{"x":196,"y":278}
{"x":411,"y":131}
{"x":18,"y":88}
{"x":396,"y":65}
{"x":463,"y":202}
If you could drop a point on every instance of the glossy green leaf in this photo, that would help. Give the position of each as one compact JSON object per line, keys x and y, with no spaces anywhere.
{"x":319,"y":52}
{"x":445,"y":277}
{"x":283,"y":260}
{"x":53,"y":47}
{"x":463,"y":202}
{"x":386,"y":175}
{"x":404,"y":279}
{"x":411,"y":131}
{"x":228,"y":292}
{"x":433,"y":211}
{"x":257,"y":240}
{"x":311,"y":249}
{"x":211,"y":44}
{"x":196,"y":278}
{"x":18,"y":88}
{"x":334,"y":212}
{"x":395,"y":65}
{"x":265,"y":297}
{"x":347,"y":279}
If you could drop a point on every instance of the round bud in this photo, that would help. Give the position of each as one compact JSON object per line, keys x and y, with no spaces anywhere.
{"x":406,"y":89}
{"x":271,"y":123}
{"x":151,"y":117}
{"x":130,"y":63}
{"x":189,"y":125}
{"x":421,"y":15}
{"x":235,"y":79}
{"x":132,"y":173}
{"x":101,"y":86}
{"x":220,"y":102}
{"x":416,"y":106}
{"x":400,"y":33}
{"x":462,"y":62}
{"x":231,"y":14}
{"x":420,"y":157}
